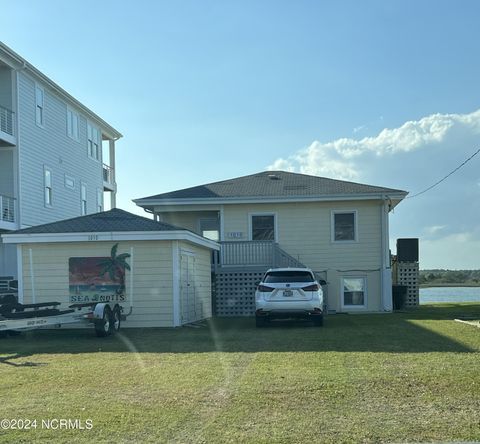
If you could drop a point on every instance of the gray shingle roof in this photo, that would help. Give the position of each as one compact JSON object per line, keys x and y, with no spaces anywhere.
{"x":275,"y":184}
{"x":108,"y":221}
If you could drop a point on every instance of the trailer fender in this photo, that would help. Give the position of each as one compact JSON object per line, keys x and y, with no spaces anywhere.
{"x":99,"y":310}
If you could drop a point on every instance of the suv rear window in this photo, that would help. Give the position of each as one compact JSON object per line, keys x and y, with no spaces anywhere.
{"x":279,"y":277}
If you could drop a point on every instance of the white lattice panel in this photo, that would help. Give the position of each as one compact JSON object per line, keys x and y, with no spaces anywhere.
{"x":408,"y":274}
{"x":235,"y":292}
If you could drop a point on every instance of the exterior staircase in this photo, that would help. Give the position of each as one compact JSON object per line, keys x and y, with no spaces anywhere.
{"x":237,"y":269}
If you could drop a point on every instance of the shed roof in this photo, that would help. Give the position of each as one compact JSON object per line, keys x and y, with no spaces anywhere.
{"x":107,"y":221}
{"x":270,"y":184}
{"x":112,"y":225}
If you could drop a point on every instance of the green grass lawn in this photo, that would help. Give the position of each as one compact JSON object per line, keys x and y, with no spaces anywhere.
{"x":403,"y":377}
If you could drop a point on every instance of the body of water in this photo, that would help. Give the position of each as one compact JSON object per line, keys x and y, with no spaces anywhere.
{"x":449,"y":294}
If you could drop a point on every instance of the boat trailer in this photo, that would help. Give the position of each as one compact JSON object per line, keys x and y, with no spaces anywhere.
{"x":14,"y":316}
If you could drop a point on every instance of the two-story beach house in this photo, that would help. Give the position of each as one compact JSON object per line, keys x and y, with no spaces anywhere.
{"x":338,"y":229}
{"x":57,"y":157}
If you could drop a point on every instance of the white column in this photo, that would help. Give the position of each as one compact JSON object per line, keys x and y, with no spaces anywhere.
{"x":386,"y":271}
{"x":113,"y":194}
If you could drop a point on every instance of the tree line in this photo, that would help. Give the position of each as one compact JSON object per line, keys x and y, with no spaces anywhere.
{"x":439,"y":277}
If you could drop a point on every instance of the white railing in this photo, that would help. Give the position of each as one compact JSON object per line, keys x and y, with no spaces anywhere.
{"x":6,"y":120}
{"x":108,"y":174}
{"x":7,"y":208}
{"x":254,"y":253}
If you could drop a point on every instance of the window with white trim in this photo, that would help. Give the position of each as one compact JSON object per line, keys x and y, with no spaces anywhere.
{"x":47,"y":186}
{"x":72,"y":124}
{"x":354,"y":292}
{"x":39,"y":105}
{"x":93,"y":146}
{"x":263,"y":227}
{"x":99,"y":200}
{"x":83,"y":199}
{"x":344,"y":226}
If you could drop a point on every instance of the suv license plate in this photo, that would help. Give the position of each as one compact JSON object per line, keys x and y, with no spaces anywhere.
{"x":287,"y":293}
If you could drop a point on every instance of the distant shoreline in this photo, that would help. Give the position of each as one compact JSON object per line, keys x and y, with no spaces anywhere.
{"x":449,"y":285}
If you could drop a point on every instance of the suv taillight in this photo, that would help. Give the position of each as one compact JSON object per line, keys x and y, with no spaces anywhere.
{"x":265,"y":289}
{"x":313,"y":287}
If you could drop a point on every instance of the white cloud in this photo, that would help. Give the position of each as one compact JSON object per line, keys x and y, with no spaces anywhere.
{"x":359,"y":128}
{"x":412,"y":157}
{"x":434,"y":229}
{"x":334,"y":159}
{"x":457,"y":251}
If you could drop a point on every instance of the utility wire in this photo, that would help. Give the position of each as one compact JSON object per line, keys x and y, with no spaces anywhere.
{"x":447,"y":176}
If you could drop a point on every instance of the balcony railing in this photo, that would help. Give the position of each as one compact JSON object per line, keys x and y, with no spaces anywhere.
{"x":254,"y":253}
{"x":108,"y":174}
{"x":6,"y":120}
{"x":7,"y":209}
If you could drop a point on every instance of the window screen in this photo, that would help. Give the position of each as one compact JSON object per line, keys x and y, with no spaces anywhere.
{"x":344,"y":226}
{"x":353,"y":291}
{"x":263,"y":227}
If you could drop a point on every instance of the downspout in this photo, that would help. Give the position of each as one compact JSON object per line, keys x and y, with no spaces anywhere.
{"x":18,"y":168}
{"x":32,"y":277}
{"x":386,"y":273}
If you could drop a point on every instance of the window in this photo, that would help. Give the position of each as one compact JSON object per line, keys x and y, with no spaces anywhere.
{"x":354,"y":292}
{"x":83,"y":197}
{"x":47,"y":185}
{"x":72,"y":124}
{"x":93,"y":142}
{"x":280,"y":277}
{"x":263,"y":227}
{"x":344,"y":225}
{"x":210,"y":229}
{"x":39,"y":105}
{"x":99,"y":200}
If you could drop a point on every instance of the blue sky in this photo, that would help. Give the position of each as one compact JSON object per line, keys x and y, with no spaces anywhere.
{"x":380,"y":92}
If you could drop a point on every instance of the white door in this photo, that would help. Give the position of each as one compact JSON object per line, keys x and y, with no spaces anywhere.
{"x":188,"y":309}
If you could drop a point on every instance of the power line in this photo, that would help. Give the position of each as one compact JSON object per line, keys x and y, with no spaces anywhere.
{"x":446,"y":177}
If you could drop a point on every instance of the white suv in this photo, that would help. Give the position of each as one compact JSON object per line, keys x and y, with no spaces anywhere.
{"x":289,"y":293}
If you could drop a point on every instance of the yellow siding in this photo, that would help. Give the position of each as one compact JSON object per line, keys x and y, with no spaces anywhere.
{"x":152,"y":276}
{"x":188,"y":219}
{"x":304,"y":231}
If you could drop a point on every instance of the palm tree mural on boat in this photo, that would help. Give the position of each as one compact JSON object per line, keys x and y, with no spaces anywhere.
{"x":115,"y":266}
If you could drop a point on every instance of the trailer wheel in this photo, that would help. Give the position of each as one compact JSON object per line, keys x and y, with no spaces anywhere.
{"x":103,"y":326}
{"x":116,"y":319}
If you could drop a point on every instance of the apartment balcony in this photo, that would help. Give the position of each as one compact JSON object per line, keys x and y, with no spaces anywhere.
{"x":108,"y":178}
{"x":8,"y":217}
{"x":7,"y":127}
{"x":253,"y":254}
